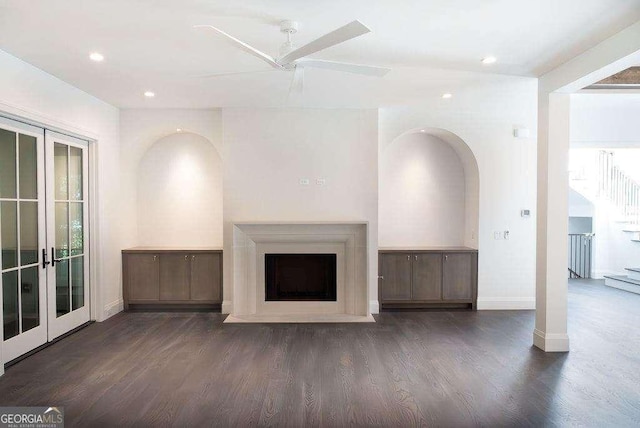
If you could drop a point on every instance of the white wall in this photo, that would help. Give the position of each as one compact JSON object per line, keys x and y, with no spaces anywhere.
{"x":267,"y":152}
{"x":422,"y":193}
{"x":140,"y":129}
{"x":606,"y":120}
{"x":579,"y":206}
{"x":484,"y":118}
{"x":30,"y":93}
{"x":179,"y":195}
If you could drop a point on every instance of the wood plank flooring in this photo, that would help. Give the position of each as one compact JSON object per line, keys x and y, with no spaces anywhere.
{"x":439,"y":368}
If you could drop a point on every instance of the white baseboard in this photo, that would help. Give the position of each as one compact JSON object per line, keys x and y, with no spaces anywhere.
{"x":551,"y":342}
{"x":374,"y":307}
{"x":227,"y":306}
{"x":600,"y":274}
{"x":113,"y":308}
{"x":506,"y":303}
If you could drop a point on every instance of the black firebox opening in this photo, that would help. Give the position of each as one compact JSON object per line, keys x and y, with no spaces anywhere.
{"x":300,"y":277}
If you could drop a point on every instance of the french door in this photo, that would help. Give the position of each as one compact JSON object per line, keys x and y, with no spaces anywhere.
{"x":22,"y":237}
{"x":43,"y":236}
{"x":67,"y":217}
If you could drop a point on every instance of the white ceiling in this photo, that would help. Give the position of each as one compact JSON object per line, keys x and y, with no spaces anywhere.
{"x":433,"y":46}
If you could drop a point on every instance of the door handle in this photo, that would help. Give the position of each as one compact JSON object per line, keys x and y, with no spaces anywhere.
{"x":53,"y":258}
{"x":45,"y":261}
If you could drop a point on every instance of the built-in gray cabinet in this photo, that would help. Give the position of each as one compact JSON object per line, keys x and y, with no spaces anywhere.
{"x":428,"y":278}
{"x":172,"y":278}
{"x":397,"y":271}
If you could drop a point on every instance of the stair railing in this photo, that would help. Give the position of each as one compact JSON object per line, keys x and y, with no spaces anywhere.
{"x":620,"y":189}
{"x":580,"y":254}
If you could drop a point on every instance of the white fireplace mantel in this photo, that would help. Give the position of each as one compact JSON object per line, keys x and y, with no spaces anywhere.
{"x":251,"y":241}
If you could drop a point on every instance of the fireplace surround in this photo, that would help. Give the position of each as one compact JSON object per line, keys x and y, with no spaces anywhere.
{"x":252,"y":242}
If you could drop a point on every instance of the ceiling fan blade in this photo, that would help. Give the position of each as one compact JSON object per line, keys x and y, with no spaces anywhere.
{"x":232,"y":73}
{"x":369,"y":70}
{"x":245,"y":47}
{"x":342,"y":34}
{"x":297,"y":82}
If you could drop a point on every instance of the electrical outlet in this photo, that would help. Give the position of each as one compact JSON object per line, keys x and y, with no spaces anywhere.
{"x":304,"y":181}
{"x":321,"y":181}
{"x":496,"y":235}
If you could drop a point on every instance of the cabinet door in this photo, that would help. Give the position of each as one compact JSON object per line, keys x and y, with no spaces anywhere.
{"x":426,"y":276}
{"x":457,"y":276}
{"x":395,"y":270}
{"x":205,"y":277}
{"x":142,"y":276}
{"x":174,"y":277}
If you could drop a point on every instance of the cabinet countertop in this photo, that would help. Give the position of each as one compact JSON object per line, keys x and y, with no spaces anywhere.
{"x":172,"y":249}
{"x":427,"y":249}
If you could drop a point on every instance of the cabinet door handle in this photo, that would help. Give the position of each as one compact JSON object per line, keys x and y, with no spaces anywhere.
{"x":155,"y":258}
{"x":380,"y":277}
{"x":193,"y":257}
{"x":446,"y":258}
{"x":416,"y":257}
{"x":408,"y":257}
{"x":186,"y":257}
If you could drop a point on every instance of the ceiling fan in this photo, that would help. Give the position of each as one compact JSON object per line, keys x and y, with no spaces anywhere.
{"x":296,"y":59}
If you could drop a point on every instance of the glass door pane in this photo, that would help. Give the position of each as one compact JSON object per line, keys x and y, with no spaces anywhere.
{"x":22,"y":223}
{"x":68,"y":233}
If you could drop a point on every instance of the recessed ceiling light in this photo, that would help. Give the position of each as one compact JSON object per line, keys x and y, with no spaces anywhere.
{"x":149,"y":94}
{"x":446,"y":96}
{"x":97,"y":57}
{"x":423,"y":130}
{"x":489,"y":60}
{"x":179,"y":130}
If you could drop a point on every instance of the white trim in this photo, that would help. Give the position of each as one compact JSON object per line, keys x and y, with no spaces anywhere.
{"x":112,"y":308}
{"x":549,"y":342}
{"x":227,"y":306}
{"x":374,"y":307}
{"x":506,"y":303}
{"x":41,"y":120}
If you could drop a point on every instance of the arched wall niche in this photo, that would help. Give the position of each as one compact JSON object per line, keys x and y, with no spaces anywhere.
{"x":428,"y":191}
{"x":179,"y":193}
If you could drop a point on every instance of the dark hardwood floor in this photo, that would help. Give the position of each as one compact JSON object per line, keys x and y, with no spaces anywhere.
{"x":410,"y":368}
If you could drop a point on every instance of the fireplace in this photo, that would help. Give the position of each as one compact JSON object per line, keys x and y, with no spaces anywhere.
{"x":330,"y":257}
{"x":300,"y":277}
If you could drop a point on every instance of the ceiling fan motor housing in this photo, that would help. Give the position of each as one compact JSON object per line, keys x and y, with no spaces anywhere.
{"x":288,"y":26}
